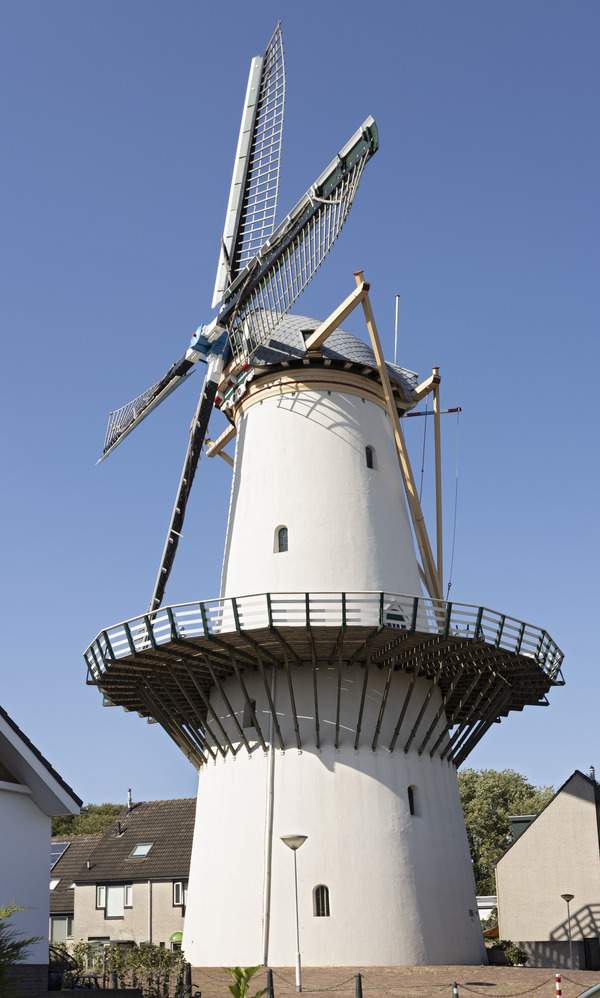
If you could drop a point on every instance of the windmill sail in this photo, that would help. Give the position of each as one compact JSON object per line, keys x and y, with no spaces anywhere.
{"x":263,"y":293}
{"x":270,"y":284}
{"x":252,"y":205}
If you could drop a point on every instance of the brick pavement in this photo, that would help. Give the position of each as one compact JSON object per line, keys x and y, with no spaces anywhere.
{"x":407,"y":982}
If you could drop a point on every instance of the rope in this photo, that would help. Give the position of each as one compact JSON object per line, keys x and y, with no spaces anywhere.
{"x":455,"y":509}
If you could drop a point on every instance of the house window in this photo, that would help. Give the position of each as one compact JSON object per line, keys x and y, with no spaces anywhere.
{"x":141,"y":849}
{"x":248,"y":722}
{"x":370,"y":457}
{"x":114,"y":898}
{"x":321,"y":901}
{"x":413,"y":800}
{"x":61,"y":928}
{"x":281,"y":540}
{"x":54,"y":883}
{"x":180,"y":893}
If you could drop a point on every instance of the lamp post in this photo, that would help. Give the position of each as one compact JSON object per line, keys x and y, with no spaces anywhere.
{"x":568,"y":898}
{"x":294,"y":842}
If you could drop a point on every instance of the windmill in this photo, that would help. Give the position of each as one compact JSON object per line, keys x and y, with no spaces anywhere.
{"x":324,"y":698}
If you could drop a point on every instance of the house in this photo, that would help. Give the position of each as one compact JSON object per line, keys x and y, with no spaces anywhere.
{"x":557,"y":853}
{"x":31,"y":794}
{"x":130,"y":884}
{"x":69,"y":854}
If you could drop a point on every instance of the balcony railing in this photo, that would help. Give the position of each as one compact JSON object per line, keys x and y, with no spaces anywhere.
{"x":211,"y":618}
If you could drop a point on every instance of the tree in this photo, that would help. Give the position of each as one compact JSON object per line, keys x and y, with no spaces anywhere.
{"x":13,"y":949}
{"x":488,"y":797}
{"x":93,"y":818}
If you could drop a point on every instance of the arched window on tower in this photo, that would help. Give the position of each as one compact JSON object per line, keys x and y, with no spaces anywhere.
{"x":281,"y":539}
{"x":321,"y":901}
{"x":370,"y":457}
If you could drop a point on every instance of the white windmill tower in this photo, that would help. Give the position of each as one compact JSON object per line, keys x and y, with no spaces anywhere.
{"x":322,"y":694}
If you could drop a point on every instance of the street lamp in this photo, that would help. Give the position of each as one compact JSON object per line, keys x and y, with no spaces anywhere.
{"x":294,"y":842}
{"x":568,"y":898}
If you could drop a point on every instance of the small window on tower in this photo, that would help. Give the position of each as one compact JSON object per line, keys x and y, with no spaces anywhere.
{"x":370,"y":457}
{"x":248,"y":721}
{"x":282,"y":539}
{"x":321,"y":901}
{"x":413,"y":800}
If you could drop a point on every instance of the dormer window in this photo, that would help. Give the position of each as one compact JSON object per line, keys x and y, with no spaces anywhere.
{"x":141,"y":849}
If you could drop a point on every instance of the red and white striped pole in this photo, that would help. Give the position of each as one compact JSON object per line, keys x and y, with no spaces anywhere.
{"x":558,"y":987}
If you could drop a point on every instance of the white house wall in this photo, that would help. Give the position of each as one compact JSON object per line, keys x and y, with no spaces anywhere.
{"x":25,"y":836}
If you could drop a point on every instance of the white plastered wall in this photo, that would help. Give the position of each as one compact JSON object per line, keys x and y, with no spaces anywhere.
{"x":300,"y":463}
{"x":25,"y":874}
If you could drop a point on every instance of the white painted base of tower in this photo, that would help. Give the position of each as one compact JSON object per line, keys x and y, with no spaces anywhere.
{"x":400,"y":885}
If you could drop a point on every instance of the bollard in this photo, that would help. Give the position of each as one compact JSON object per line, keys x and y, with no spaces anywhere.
{"x":454,"y":989}
{"x":558,"y":987}
{"x":270,"y":991}
{"x":358,"y":986}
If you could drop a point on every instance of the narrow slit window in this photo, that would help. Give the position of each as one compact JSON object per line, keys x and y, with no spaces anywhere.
{"x":321,"y":901}
{"x":282,"y":539}
{"x":248,"y":722}
{"x":413,"y":800}
{"x":370,"y":457}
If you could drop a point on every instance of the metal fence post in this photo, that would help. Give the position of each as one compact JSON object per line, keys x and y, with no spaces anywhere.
{"x":270,"y":991}
{"x":454,"y":989}
{"x":358,"y":986}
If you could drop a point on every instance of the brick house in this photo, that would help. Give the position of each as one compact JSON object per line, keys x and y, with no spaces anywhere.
{"x":557,"y":853}
{"x":130,"y":884}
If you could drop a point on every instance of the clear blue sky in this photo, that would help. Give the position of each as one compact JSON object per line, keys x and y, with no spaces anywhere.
{"x":119,"y":124}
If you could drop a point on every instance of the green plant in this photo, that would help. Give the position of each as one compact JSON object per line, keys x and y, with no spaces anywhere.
{"x":13,"y":949}
{"x":492,"y":920}
{"x":241,"y":977}
{"x":516,"y":957}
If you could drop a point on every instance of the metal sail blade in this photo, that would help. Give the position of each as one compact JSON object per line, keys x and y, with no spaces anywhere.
{"x":198,"y":433}
{"x":277,"y":275}
{"x":122,"y":421}
{"x":252,"y":205}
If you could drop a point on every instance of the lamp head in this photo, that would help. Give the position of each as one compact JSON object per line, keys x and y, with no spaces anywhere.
{"x":294,"y":841}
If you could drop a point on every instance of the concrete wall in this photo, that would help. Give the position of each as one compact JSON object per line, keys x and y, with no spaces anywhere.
{"x":166,"y":918}
{"x":25,"y":836}
{"x":558,"y":854}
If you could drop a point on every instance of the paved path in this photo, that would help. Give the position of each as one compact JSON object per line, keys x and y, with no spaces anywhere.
{"x":407,"y":982}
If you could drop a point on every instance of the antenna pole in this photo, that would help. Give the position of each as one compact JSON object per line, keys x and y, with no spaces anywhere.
{"x":396,"y":333}
{"x":438,"y":473}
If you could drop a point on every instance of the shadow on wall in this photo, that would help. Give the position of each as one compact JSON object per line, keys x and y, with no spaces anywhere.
{"x":585,"y":924}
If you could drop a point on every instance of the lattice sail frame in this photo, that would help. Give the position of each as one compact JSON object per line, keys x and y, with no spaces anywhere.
{"x":257,"y":219}
{"x":285,"y":265}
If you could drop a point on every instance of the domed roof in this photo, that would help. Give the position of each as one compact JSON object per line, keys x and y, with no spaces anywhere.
{"x":287,"y":344}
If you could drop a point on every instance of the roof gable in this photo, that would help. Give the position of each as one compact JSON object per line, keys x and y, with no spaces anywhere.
{"x":25,"y":765}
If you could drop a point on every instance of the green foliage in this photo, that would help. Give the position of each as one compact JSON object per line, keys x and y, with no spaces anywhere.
{"x":492,"y":920}
{"x":241,"y":976}
{"x":488,"y":797}
{"x":152,"y":968}
{"x":13,"y":949}
{"x":516,"y":957}
{"x":93,"y":818}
